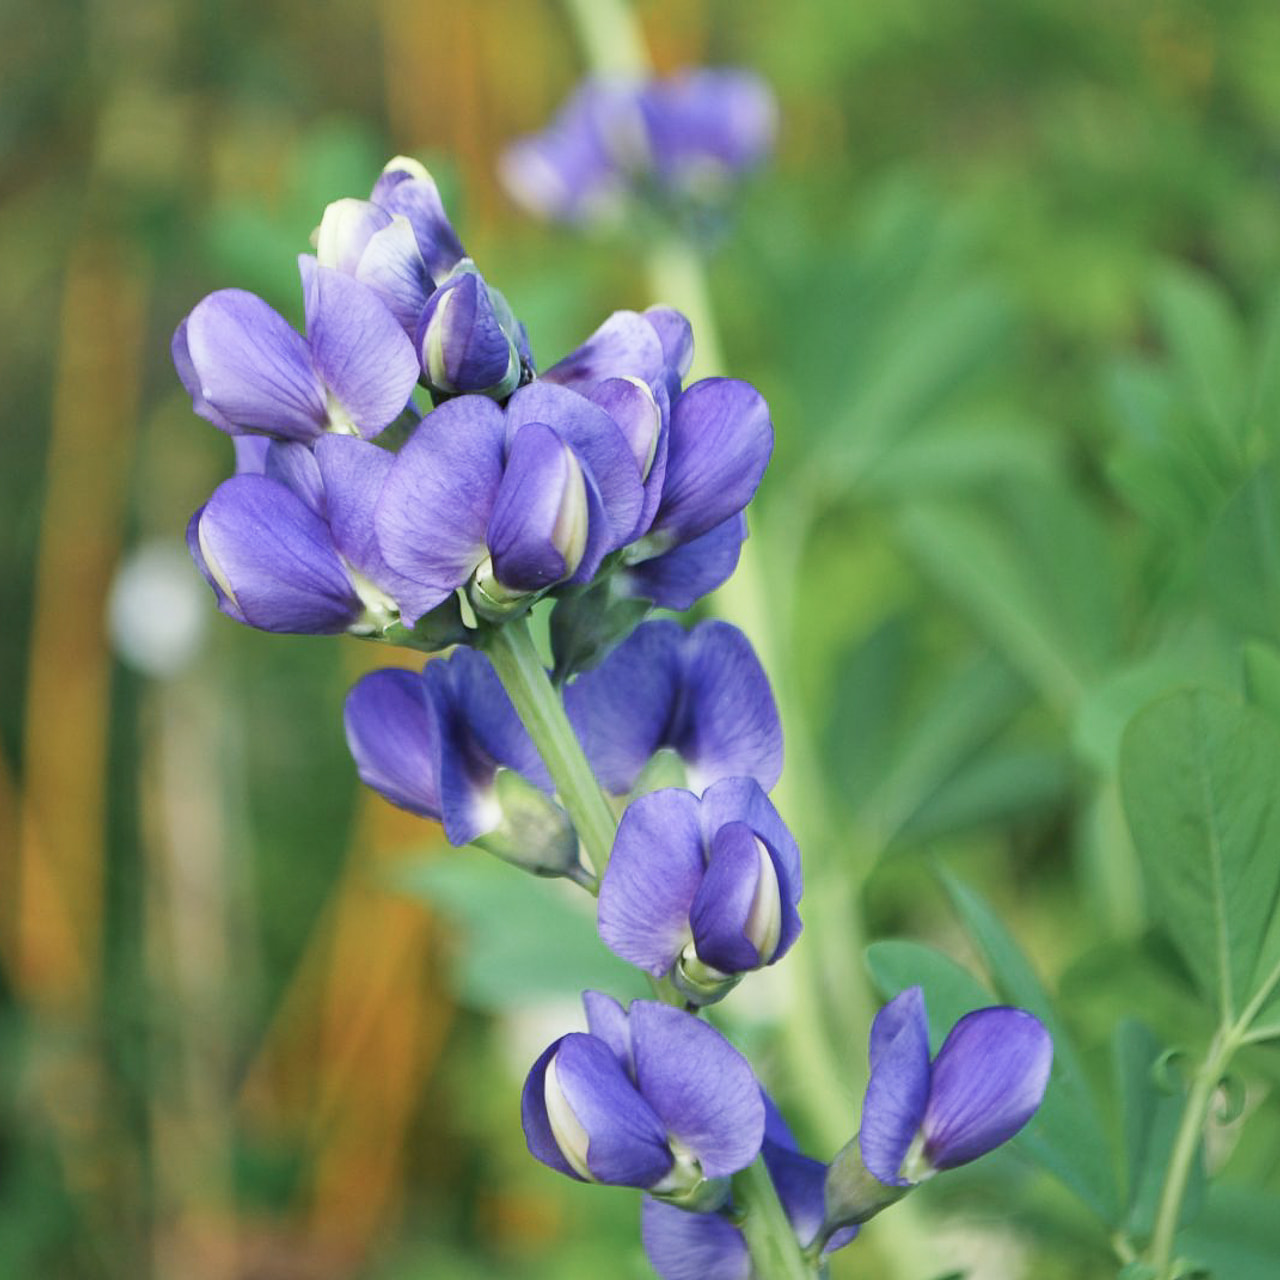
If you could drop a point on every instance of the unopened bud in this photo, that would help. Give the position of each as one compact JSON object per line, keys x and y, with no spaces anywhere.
{"x":462,"y":343}
{"x":532,"y":831}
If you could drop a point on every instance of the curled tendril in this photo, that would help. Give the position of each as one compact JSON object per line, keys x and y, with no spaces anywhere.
{"x":1230,"y":1099}
{"x":1168,"y":1072}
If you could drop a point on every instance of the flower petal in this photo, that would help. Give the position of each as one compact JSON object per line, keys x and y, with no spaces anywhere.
{"x":682,"y":576}
{"x":727,"y":724}
{"x":627,"y":1143}
{"x":359,"y":348}
{"x":701,"y":1087}
{"x":392,"y":734}
{"x":435,"y":505}
{"x":405,"y":187}
{"x":543,"y":493}
{"x":742,"y":800}
{"x":294,"y":466}
{"x":898,"y":1090}
{"x":626,"y":345}
{"x":718,"y":916}
{"x":652,"y":878}
{"x":721,"y":439}
{"x":988,"y":1080}
{"x":345,"y":231}
{"x":492,"y":719}
{"x":692,"y":1246}
{"x":621,"y":710}
{"x":538,"y":1135}
{"x":392,"y":267}
{"x":271,"y":559}
{"x":595,"y":438}
{"x":247,"y":370}
{"x":607,"y":1020}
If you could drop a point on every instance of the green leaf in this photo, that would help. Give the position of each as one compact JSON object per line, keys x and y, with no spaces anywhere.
{"x":1067,"y":1135}
{"x":1151,"y":1117}
{"x":1262,"y":676}
{"x":950,"y":990}
{"x":523,"y":938}
{"x":1237,"y":1235}
{"x":1200,"y":777}
{"x":1204,"y":338}
{"x":995,"y":788}
{"x":1032,"y":573}
{"x":1242,"y":556}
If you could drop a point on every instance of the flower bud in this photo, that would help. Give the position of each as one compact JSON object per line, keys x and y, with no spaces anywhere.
{"x":532,"y":831}
{"x":462,"y":343}
{"x":566,"y":1128}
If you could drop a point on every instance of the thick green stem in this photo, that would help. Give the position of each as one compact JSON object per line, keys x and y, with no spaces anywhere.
{"x":1186,"y":1144}
{"x":611,"y":36}
{"x":775,"y":1251}
{"x":515,"y":659}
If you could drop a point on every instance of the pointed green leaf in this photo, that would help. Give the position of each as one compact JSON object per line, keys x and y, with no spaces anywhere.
{"x":1200,"y":779}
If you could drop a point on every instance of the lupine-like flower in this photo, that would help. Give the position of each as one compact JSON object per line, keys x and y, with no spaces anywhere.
{"x":707,"y":1246}
{"x":290,"y":547}
{"x":514,"y":501}
{"x":702,"y":451}
{"x":447,"y":744}
{"x":651,"y":1097}
{"x":699,"y":693}
{"x":684,"y":138}
{"x":247,"y":370}
{"x":920,"y":1117}
{"x":469,"y":341}
{"x":705,"y":889}
{"x":400,"y":243}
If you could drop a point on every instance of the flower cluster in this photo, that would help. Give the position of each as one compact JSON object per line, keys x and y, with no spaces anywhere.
{"x":514,"y":485}
{"x":600,"y":482}
{"x":677,"y":141}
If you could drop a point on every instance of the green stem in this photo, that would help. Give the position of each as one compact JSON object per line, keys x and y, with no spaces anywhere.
{"x":775,"y":1251}
{"x":515,"y":658}
{"x":1186,"y":1144}
{"x":611,"y":37}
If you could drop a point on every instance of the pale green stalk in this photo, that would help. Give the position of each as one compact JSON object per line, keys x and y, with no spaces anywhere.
{"x":828,"y":1081}
{"x":775,"y":1251}
{"x":1195,"y":1115}
{"x":515,"y":658}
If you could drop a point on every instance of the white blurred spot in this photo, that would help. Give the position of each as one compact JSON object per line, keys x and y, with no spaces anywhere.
{"x":157,"y":610}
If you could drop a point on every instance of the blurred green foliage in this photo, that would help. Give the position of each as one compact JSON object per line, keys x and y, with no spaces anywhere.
{"x":1012,"y":288}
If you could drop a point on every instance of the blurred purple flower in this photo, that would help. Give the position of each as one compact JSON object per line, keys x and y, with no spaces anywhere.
{"x":707,"y":1246}
{"x":700,"y":693}
{"x":683,"y":138}
{"x":705,"y":889}
{"x":248,"y":371}
{"x":987,"y":1081}
{"x":651,"y":1097}
{"x":287,"y":544}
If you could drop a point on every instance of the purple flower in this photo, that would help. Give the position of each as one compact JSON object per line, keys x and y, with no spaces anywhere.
{"x":705,"y":889}
{"x":512,"y":501}
{"x":405,"y":188}
{"x":699,"y":693}
{"x":248,"y":371}
{"x":468,"y":340}
{"x":701,"y":451}
{"x":289,"y":547}
{"x":651,"y":1097}
{"x":920,"y":1117}
{"x":362,"y":239}
{"x":707,"y":1246}
{"x":684,"y":138}
{"x":447,"y":744}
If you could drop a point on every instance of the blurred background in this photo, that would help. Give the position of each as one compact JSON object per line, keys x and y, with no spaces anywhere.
{"x":1010,"y":286}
